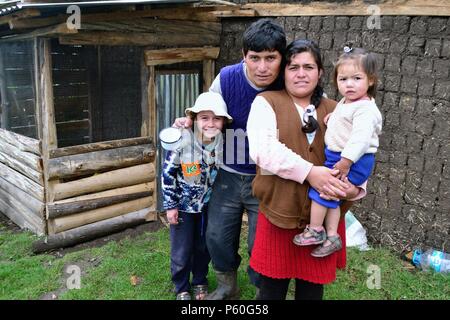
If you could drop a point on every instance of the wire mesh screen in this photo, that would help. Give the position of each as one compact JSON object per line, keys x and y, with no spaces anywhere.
{"x":17,"y":88}
{"x":174,"y":93}
{"x":97,"y":93}
{"x":71,"y":74}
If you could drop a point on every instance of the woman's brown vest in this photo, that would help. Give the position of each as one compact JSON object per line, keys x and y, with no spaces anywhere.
{"x":285,"y":202}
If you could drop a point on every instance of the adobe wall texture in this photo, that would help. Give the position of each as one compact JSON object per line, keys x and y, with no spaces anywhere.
{"x":408,"y":201}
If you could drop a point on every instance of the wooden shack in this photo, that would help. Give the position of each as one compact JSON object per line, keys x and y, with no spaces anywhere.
{"x":81,"y":108}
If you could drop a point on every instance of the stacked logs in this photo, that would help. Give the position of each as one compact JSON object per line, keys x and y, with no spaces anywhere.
{"x":98,"y":188}
{"x":21,"y":181}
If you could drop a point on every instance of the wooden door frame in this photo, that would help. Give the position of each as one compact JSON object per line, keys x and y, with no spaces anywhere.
{"x":153,"y":58}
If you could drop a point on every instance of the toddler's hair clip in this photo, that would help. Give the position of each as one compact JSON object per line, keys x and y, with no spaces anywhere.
{"x":348,"y":49}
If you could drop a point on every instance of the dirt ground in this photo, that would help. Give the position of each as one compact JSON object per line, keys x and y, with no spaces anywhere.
{"x":129,"y":232}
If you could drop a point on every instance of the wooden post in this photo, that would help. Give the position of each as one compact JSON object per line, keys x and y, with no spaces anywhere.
{"x":46,"y":109}
{"x":208,"y":74}
{"x":144,"y":95}
{"x":148,"y":127}
{"x":4,"y":107}
{"x":149,"y":115}
{"x":153,"y":122}
{"x":37,"y":94}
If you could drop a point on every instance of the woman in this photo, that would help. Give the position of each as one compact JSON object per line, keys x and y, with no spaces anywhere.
{"x":286,"y":133}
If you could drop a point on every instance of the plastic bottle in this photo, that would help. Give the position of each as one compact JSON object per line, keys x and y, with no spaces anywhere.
{"x":432,"y":259}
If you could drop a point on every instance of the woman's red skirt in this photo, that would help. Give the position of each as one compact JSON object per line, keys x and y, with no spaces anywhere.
{"x":275,"y":255}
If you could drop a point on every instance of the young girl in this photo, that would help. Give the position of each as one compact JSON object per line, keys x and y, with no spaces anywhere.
{"x":351,"y":141}
{"x":187,"y":178}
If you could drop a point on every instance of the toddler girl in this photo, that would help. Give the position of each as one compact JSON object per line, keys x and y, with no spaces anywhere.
{"x":351,"y":141}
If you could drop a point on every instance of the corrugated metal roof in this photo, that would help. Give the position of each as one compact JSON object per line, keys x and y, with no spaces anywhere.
{"x":7,"y":7}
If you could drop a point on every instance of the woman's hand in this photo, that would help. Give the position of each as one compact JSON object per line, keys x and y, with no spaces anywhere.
{"x":325,"y":182}
{"x":351,"y":192}
{"x":184,"y":122}
{"x":172,"y":216}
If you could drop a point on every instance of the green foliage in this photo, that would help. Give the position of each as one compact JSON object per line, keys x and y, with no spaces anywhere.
{"x":22,"y":275}
{"x":139,"y":268}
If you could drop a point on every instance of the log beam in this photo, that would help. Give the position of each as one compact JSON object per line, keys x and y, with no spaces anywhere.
{"x":91,"y":216}
{"x":34,"y":205}
{"x":176,"y":55}
{"x":142,"y":187}
{"x":352,"y":8}
{"x":11,"y":162}
{"x":26,"y":13}
{"x":93,"y":230}
{"x":21,"y":142}
{"x":26,"y":158}
{"x":207,"y":14}
{"x":16,"y":215}
{"x":56,"y":210}
{"x":22,"y":182}
{"x":109,"y":38}
{"x":81,"y":164}
{"x":52,"y":31}
{"x":155,"y":26}
{"x":27,"y":23}
{"x":105,"y":181}
{"x":235,"y":13}
{"x":98,"y":146}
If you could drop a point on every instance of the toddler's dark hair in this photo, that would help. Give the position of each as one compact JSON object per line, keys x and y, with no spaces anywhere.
{"x":366,"y":60}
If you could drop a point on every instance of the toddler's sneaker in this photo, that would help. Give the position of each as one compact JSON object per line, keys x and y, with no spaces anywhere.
{"x":322,"y":251}
{"x":310,"y":236}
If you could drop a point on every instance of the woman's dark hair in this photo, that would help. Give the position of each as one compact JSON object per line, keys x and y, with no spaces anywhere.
{"x":264,"y":34}
{"x":364,"y":60}
{"x":299,"y":46}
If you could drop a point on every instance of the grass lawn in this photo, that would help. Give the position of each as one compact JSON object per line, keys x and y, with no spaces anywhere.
{"x":138,"y":268}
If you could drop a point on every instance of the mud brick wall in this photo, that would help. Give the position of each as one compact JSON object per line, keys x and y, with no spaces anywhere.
{"x":408,"y":201}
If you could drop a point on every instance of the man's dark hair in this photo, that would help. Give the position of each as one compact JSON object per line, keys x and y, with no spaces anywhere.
{"x":264,"y":34}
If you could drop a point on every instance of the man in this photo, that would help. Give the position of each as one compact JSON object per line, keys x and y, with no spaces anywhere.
{"x":264,"y":43}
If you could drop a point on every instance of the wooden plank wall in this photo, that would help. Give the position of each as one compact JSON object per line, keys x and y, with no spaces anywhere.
{"x":18,"y":88}
{"x":121,"y":180}
{"x":21,"y":181}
